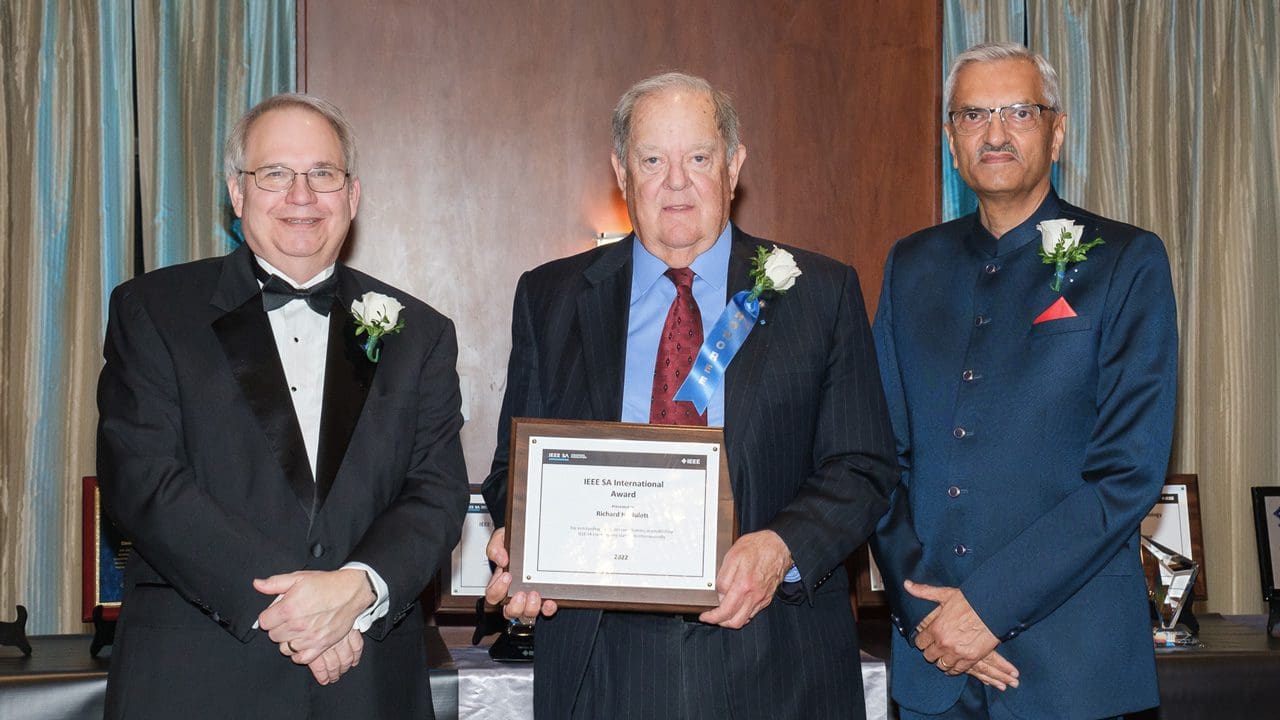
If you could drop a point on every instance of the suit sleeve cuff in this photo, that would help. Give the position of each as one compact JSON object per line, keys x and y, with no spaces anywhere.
{"x":381,"y":603}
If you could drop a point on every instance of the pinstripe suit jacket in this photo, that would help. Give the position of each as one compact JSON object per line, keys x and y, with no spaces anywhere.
{"x":809,"y":448}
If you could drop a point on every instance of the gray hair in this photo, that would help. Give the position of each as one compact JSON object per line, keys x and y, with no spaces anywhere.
{"x":726,"y":116}
{"x":233,"y":153}
{"x":993,"y":51}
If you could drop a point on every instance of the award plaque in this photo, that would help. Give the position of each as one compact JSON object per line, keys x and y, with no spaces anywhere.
{"x":103,"y":556}
{"x":618,"y":516}
{"x":1266,"y":522}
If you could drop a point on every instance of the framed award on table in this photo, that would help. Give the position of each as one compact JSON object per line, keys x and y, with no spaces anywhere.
{"x":618,"y":516}
{"x":103,"y":555}
{"x":461,"y":581}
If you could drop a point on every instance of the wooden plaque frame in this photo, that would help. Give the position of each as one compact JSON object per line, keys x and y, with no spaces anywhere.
{"x":611,"y":597}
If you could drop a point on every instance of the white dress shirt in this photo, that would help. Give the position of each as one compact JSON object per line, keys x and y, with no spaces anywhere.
{"x":302,"y":341}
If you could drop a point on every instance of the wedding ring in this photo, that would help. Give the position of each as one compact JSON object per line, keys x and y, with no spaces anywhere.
{"x":943,"y":665}
{"x":289,"y":644}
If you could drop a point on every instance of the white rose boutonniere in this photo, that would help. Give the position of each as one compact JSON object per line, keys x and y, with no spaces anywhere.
{"x":376,"y":315}
{"x":773,"y":270}
{"x":1060,"y":244}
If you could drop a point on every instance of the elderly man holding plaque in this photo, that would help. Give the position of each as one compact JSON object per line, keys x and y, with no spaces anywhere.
{"x":788,"y":370}
{"x":1029,"y":354}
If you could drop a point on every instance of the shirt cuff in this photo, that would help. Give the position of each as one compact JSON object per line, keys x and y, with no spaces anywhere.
{"x":380,"y":605}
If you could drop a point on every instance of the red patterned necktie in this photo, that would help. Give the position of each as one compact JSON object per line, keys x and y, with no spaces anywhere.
{"x":678,"y":347}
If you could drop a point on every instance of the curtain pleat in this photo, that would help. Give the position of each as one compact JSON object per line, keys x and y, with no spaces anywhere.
{"x":65,"y":210}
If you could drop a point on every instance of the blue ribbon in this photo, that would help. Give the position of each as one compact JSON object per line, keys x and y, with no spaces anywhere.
{"x":722,"y":343}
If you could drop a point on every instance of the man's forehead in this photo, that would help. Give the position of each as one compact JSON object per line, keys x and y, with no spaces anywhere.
{"x":997,"y":82}
{"x":707,"y":145}
{"x":657,"y":114}
{"x":293,"y":131}
{"x":665,"y":103}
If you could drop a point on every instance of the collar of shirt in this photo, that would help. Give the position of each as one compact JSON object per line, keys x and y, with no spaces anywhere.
{"x":1024,"y":233}
{"x":712,"y":266}
{"x":319,"y":277}
{"x":651,"y":296}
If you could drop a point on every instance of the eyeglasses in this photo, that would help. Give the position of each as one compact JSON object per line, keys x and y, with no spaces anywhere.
{"x":1019,"y":117}
{"x":277,"y":178}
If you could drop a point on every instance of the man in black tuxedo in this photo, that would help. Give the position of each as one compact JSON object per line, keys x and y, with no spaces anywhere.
{"x":289,"y":488}
{"x":807,"y":437}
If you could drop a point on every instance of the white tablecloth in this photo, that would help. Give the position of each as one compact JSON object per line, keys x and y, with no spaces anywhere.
{"x":488,"y":690}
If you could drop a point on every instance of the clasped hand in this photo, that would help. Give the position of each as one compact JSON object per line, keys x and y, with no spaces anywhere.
{"x":748,"y":577}
{"x":312,"y":618}
{"x":956,"y":640}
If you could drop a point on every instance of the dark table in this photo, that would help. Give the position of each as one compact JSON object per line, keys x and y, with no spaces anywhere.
{"x":1236,"y":674}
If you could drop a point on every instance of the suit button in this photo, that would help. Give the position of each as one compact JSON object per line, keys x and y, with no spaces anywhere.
{"x":961,"y":550}
{"x":953,"y":491}
{"x":980,"y":320}
{"x":991,"y":269}
{"x":967,"y":376}
{"x":317,"y":550}
{"x":959,"y":433}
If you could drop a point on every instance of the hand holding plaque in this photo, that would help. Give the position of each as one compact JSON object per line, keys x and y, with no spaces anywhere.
{"x":616,"y":515}
{"x":522,"y":607}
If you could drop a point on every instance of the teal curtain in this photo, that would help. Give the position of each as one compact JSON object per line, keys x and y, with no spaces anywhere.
{"x":68,"y":198}
{"x":203,"y":64}
{"x":66,"y":148}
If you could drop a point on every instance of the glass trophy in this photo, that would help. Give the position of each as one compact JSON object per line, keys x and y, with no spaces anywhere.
{"x":1170,"y":579}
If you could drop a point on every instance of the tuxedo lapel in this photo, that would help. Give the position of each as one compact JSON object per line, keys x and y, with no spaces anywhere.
{"x":245,"y":335}
{"x":741,"y":376}
{"x":603,"y":308}
{"x":348,"y":375}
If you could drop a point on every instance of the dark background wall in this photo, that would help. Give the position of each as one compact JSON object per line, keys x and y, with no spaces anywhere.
{"x":484,"y":136}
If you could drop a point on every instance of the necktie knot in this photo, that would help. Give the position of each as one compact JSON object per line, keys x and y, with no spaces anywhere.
{"x":682,"y":277}
{"x":276,"y":293}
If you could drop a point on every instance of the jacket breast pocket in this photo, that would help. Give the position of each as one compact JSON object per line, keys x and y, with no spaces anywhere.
{"x":1065,"y":325}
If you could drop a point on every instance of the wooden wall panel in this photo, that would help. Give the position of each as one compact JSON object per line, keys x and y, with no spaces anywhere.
{"x":484,"y":136}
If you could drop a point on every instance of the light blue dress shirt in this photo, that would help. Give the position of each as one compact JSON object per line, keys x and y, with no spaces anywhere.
{"x":651,"y":297}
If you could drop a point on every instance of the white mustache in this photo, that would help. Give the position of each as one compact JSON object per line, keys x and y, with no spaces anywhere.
{"x":1006,"y":148}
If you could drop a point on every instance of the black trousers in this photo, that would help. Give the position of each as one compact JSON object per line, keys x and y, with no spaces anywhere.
{"x":649,"y":667}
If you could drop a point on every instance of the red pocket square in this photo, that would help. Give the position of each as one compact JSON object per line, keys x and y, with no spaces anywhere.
{"x":1058,"y":310}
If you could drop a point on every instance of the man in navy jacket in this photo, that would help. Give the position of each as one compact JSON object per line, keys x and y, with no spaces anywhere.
{"x":1032,"y":402}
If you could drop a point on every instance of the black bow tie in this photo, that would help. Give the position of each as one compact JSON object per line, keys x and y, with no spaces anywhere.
{"x":276,"y":293}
